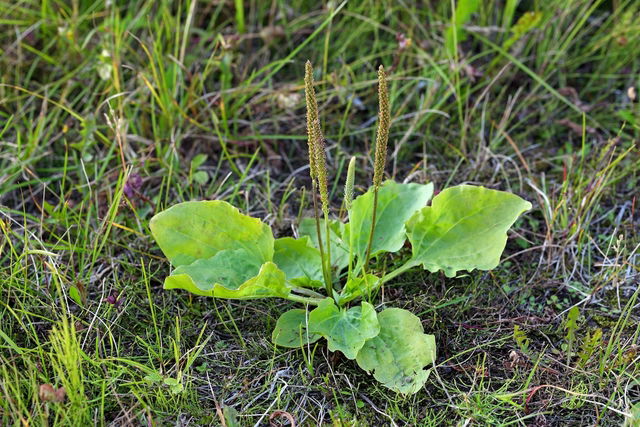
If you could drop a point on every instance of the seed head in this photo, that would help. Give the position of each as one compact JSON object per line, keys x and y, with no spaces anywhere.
{"x":321,"y":166}
{"x":348,"y":186}
{"x":384,"y":122}
{"x":312,"y":117}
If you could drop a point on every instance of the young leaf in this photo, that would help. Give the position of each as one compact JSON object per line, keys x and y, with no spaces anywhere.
{"x":299,"y":260}
{"x":190,"y":231}
{"x":398,"y":355}
{"x":348,"y":185}
{"x":204,"y":277}
{"x":464,"y":228}
{"x":291,"y":330}
{"x":396,"y":204}
{"x":339,"y":248}
{"x":358,"y":286}
{"x":345,"y":330}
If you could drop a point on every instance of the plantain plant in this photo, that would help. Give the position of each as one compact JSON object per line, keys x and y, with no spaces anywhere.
{"x":217,"y":251}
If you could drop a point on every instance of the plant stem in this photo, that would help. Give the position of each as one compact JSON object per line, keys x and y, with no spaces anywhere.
{"x":350,"y":270}
{"x":398,"y":271}
{"x":304,"y":300}
{"x":373,"y":225}
{"x":308,"y":292}
{"x":327,"y":278}
{"x":328,"y":261}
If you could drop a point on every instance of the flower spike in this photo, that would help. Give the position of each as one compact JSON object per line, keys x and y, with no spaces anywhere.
{"x":384,"y":122}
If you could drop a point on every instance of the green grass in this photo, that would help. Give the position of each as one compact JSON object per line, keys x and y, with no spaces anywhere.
{"x":93,"y":96}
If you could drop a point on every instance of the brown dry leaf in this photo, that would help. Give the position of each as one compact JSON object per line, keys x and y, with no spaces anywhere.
{"x":572,"y":94}
{"x":48,"y":393}
{"x":281,"y":414}
{"x":516,"y":360}
{"x":575,"y":127}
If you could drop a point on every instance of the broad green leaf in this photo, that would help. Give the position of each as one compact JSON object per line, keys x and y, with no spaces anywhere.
{"x":358,"y":286}
{"x":464,"y":228}
{"x":291,"y":330}
{"x":230,"y":268}
{"x":197,"y":278}
{"x":455,"y":32}
{"x":230,"y":415}
{"x":197,"y":161}
{"x":79,"y":297}
{"x":175,"y":385}
{"x":526,"y":23}
{"x":201,"y":177}
{"x":398,"y":355}
{"x":339,"y":247}
{"x":299,"y":260}
{"x":183,"y":281}
{"x":191,"y":231}
{"x":269,"y":282}
{"x":634,"y":419}
{"x":396,"y":204}
{"x":345,"y":330}
{"x":154,"y":377}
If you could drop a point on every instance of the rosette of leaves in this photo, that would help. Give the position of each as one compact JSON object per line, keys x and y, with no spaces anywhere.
{"x":218,"y":251}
